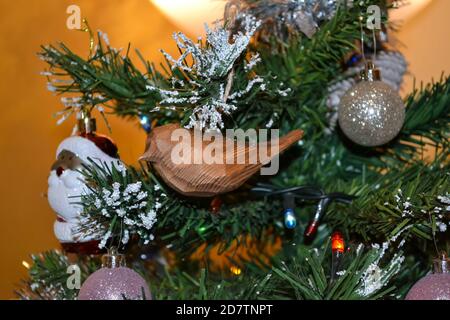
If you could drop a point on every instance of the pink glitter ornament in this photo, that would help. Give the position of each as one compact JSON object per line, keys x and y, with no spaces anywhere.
{"x":114,"y":281}
{"x":434,"y":286}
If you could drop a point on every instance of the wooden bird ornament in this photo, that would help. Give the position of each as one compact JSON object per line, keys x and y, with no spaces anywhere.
{"x":198,"y":176}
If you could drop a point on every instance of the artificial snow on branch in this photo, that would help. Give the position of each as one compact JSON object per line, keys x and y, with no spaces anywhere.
{"x":120,"y":206}
{"x":204,"y":87}
{"x":302,"y":275}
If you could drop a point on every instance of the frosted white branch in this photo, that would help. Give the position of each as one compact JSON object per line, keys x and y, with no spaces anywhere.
{"x":211,"y":65}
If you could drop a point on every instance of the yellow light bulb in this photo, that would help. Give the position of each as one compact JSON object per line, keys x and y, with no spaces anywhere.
{"x":235,"y":270}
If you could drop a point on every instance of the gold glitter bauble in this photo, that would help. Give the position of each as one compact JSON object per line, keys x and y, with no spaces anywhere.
{"x":371,"y":113}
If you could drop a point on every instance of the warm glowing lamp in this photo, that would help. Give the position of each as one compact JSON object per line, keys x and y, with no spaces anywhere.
{"x":190,"y":15}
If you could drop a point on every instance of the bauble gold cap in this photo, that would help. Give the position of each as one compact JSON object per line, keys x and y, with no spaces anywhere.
{"x":371,"y":73}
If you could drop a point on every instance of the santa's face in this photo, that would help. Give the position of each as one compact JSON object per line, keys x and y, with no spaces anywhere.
{"x":65,"y":186}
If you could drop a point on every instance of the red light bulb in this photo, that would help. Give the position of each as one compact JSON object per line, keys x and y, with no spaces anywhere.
{"x":337,"y":242}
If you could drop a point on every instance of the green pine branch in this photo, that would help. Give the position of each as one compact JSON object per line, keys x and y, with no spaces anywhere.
{"x":48,"y":277}
{"x":109,"y":78}
{"x":407,"y":198}
{"x":366,"y":273}
{"x":183,"y":223}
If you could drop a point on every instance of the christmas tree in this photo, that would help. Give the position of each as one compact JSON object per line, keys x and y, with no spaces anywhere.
{"x":351,"y":202}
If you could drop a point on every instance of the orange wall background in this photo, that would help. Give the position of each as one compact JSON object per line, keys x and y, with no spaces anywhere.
{"x":28,"y":131}
{"x":425,"y":42}
{"x":29,"y":134}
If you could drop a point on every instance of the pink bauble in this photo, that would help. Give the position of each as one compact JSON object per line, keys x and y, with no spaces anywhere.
{"x":114,"y":284}
{"x":431,"y":287}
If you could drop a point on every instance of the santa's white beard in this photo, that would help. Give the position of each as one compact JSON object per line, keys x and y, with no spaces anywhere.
{"x":63,"y":192}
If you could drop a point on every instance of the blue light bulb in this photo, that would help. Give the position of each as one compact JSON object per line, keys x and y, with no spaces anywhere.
{"x":145,"y":123}
{"x":290,"y":221}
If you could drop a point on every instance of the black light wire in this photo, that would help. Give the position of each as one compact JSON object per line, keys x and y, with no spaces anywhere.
{"x":305,"y":193}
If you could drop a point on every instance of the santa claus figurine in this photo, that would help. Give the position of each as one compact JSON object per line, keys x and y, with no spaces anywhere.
{"x":66,"y":184}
